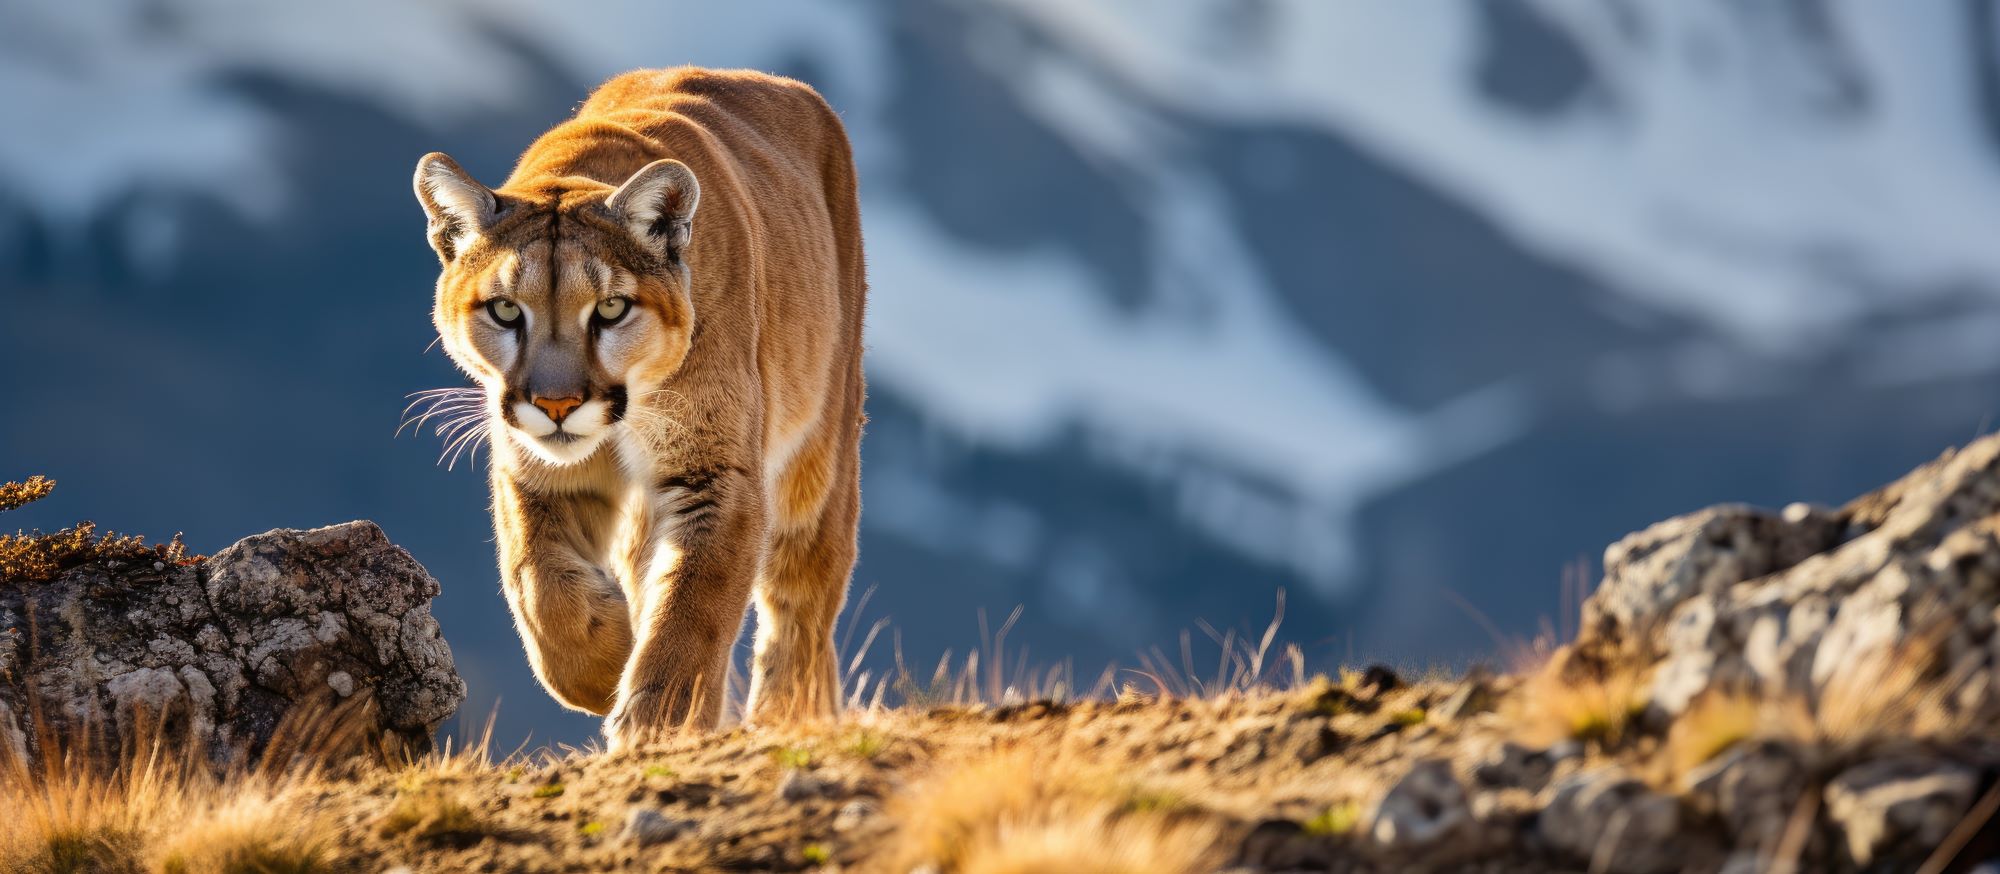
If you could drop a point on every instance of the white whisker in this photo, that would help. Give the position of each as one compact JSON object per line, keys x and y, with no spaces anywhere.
{"x":438,"y":409}
{"x":458,"y":444}
{"x":460,"y":415}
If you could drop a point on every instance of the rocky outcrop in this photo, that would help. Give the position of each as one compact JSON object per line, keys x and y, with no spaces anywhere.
{"x":1806,"y":689}
{"x":1846,"y":656}
{"x":1904,"y":581}
{"x":309,"y":632}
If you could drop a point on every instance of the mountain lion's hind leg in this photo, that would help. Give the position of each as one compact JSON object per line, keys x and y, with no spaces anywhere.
{"x":794,"y":673}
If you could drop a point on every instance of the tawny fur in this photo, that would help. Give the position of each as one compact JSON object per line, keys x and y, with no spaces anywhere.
{"x":733,"y":473}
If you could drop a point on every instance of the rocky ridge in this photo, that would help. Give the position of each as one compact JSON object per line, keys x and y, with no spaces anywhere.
{"x":1809,"y":689}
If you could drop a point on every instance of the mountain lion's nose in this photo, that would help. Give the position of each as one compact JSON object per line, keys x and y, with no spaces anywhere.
{"x":557,"y":409}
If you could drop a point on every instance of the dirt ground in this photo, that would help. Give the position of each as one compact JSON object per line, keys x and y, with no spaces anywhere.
{"x":1274,"y":780}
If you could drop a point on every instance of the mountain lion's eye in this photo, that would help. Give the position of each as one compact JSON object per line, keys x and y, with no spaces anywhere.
{"x":506,"y":312}
{"x":611,"y":309}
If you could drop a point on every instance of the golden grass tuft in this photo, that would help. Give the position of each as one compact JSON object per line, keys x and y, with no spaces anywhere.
{"x":252,"y":834}
{"x":1567,"y":700}
{"x":1897,"y":693}
{"x":160,"y":811}
{"x":1900,"y":692}
{"x":1713,"y":723}
{"x":432,"y":813}
{"x":1013,"y":812}
{"x":159,"y":805}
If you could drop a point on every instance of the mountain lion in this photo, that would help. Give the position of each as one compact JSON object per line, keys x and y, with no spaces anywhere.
{"x":673,"y":395}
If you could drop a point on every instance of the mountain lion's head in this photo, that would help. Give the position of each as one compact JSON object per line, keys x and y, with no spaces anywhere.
{"x":565,"y":302}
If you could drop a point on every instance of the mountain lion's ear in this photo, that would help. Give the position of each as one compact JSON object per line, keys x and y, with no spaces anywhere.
{"x":657,"y":204}
{"x":460,"y":208}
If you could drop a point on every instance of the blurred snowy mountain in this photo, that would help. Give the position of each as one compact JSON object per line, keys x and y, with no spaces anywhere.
{"x":1400,"y":306}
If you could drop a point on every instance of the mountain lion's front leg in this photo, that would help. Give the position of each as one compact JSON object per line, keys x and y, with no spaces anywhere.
{"x":572,"y":613}
{"x":708,"y":529}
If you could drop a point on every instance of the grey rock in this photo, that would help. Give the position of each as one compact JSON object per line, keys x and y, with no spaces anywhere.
{"x":1512,"y":766}
{"x":286,"y":623}
{"x":801,"y":785}
{"x":646,"y":827}
{"x":1648,"y":573}
{"x":1745,"y":862}
{"x":1615,"y":823}
{"x":1752,"y":789}
{"x":1425,"y":807}
{"x":1904,"y":802}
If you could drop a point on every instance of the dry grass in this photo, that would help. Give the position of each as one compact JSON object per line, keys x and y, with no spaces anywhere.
{"x":162,"y":811}
{"x":1715,"y":722}
{"x":1012,"y":812}
{"x":159,"y":804}
{"x":1567,"y":699}
{"x":433,"y":813}
{"x":1900,"y":692}
{"x":255,"y":833}
{"x":991,"y":675}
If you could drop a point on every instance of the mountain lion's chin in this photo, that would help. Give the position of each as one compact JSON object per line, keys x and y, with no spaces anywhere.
{"x":560,"y":448}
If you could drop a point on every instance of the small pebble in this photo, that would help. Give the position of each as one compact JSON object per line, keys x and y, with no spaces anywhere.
{"x":852,"y":815}
{"x":800,"y":786}
{"x":646,"y":827}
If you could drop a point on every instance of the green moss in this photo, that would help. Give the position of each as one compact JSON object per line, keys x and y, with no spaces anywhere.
{"x":792,"y":758}
{"x":1338,"y":819}
{"x":1328,"y":699}
{"x":1155,"y":801}
{"x":865,"y":744}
